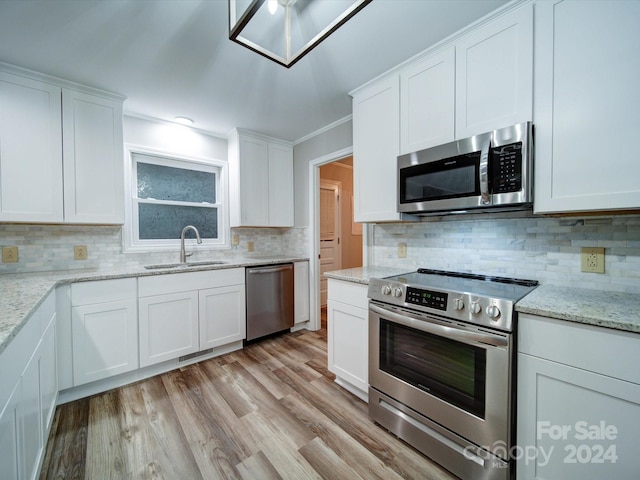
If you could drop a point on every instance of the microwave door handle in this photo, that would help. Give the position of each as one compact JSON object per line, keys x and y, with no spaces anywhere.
{"x":485,"y":198}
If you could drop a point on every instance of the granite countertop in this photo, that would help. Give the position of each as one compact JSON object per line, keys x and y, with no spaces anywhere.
{"x":620,"y":311}
{"x":363,"y":274}
{"x":22,"y":293}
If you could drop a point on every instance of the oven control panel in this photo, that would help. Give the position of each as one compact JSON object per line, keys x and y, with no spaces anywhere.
{"x":427,"y":298}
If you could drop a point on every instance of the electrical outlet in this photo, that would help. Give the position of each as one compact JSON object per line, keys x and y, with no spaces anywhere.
{"x":235,"y":239}
{"x":592,"y":259}
{"x":250,"y":246}
{"x":80,"y":252}
{"x":402,"y":250}
{"x":9,"y":254}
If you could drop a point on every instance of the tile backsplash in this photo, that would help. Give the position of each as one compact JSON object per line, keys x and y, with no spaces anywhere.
{"x":526,"y":246}
{"x":543,"y":248}
{"x":50,"y":247}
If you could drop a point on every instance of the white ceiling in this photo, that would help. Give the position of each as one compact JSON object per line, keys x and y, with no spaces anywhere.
{"x":173,"y":57}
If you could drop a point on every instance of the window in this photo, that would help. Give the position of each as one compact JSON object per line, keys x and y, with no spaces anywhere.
{"x":166,"y":194}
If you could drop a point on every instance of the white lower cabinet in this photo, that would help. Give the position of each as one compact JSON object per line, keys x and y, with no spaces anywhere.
{"x":168,"y":327}
{"x":29,"y":394}
{"x":104,"y":325}
{"x":578,"y":401}
{"x":301,"y":291}
{"x":222,"y":316}
{"x":10,"y":467}
{"x":348,"y":335}
{"x":184,"y":313}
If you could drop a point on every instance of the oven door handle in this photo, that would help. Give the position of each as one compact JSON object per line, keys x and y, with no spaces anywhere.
{"x":420,"y":323}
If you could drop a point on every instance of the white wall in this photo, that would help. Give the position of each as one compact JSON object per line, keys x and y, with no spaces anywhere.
{"x":173,"y":138}
{"x":334,"y":139}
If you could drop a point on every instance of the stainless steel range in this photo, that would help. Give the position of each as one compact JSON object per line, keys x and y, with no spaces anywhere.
{"x":441,"y":366}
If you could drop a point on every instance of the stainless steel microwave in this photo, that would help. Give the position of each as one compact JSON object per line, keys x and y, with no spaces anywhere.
{"x":486,"y":172}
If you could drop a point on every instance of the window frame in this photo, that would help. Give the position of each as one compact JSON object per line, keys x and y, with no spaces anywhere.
{"x":131,"y":239}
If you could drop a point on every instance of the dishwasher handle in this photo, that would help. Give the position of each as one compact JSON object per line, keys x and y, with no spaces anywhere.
{"x":274,"y":269}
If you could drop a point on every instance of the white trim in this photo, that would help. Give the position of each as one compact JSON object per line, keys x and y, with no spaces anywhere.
{"x":129,"y":230}
{"x":60,"y":82}
{"x":323,"y":129}
{"x":446,"y":42}
{"x":314,"y":228}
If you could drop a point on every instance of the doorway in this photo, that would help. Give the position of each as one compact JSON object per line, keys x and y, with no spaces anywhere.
{"x":340,"y":239}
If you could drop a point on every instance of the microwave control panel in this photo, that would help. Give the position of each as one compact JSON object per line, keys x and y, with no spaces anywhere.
{"x":506,"y":168}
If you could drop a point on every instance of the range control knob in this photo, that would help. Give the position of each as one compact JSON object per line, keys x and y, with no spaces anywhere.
{"x":386,"y":290}
{"x":475,"y":307}
{"x":397,"y":292}
{"x":493,"y":312}
{"x":458,"y":304}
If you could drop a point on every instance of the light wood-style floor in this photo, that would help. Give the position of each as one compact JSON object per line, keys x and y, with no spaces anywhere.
{"x":269,"y":411}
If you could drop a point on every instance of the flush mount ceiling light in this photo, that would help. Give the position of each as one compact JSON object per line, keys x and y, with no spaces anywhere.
{"x":183,"y":120}
{"x":286,"y":30}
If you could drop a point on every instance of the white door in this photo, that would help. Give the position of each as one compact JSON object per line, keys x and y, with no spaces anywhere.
{"x":330,"y":257}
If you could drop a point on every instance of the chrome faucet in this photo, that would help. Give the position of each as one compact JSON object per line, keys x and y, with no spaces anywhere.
{"x":183,"y":255}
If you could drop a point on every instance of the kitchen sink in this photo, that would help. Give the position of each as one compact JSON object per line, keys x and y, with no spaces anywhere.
{"x":169,"y":266}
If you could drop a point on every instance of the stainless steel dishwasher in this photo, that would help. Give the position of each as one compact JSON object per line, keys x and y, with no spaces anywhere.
{"x":269,"y":299}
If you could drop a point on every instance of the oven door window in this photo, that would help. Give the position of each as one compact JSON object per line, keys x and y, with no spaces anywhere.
{"x":451,"y":178}
{"x":452,"y":371}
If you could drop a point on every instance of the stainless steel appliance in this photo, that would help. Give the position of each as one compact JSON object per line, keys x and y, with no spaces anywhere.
{"x":269,"y":297}
{"x":441,"y":366}
{"x":485,"y":172}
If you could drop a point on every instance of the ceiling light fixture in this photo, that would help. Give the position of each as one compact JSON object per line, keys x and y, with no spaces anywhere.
{"x":287,"y":34}
{"x":183,"y":121}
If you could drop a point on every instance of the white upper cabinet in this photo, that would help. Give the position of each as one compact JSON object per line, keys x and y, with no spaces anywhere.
{"x":479,"y":81}
{"x":427,"y":102}
{"x":586,"y":106}
{"x":260,"y":181}
{"x":494,"y":74}
{"x":93,"y":158}
{"x":376,"y":120}
{"x":61,"y":156}
{"x":30,"y":150}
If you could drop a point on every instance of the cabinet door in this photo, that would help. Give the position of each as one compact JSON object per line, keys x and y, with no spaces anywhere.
{"x":301,"y":291}
{"x":376,"y":131}
{"x":427,"y":102}
{"x":575,"y":424}
{"x":586,"y":106}
{"x":254,"y":178}
{"x":280,"y":185}
{"x":30,"y":150}
{"x":168,"y":327}
{"x":31,"y":433}
{"x":10,"y":442}
{"x":48,"y":376}
{"x":93,"y":159}
{"x":105,"y":340}
{"x":494,"y":74}
{"x":222,"y":316}
{"x":347,"y":338}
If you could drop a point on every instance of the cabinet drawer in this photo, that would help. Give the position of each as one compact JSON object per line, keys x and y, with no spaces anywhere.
{"x":350,"y":293}
{"x":100,"y":291}
{"x":184,"y":282}
{"x":596,"y":349}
